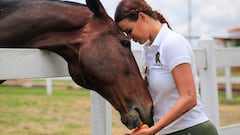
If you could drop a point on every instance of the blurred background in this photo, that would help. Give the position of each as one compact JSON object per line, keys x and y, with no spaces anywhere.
{"x":26,"y":107}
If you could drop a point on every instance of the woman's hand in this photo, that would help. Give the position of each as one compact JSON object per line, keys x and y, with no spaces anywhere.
{"x":141,"y":132}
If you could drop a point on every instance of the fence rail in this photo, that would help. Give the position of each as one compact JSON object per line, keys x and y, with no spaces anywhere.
{"x":31,"y":63}
{"x":35,"y":63}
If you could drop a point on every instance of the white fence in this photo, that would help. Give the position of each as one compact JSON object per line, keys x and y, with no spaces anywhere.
{"x":34,"y":63}
{"x":215,"y":57}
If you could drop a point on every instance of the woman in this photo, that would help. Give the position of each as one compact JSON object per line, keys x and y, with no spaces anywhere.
{"x":171,"y":71}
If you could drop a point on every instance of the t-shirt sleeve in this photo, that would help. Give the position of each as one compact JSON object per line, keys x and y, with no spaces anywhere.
{"x":176,"y":53}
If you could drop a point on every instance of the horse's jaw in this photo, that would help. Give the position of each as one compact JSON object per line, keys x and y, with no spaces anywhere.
{"x":134,"y":110}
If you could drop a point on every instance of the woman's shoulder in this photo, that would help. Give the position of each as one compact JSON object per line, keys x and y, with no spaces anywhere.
{"x":174,"y":37}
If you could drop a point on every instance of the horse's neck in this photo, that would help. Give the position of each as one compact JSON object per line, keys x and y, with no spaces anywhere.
{"x":19,"y":25}
{"x":68,"y":51}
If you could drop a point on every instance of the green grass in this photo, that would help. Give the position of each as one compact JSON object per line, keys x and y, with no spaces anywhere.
{"x":29,"y":111}
{"x":234,"y":74}
{"x":235,"y":98}
{"x":54,"y":80}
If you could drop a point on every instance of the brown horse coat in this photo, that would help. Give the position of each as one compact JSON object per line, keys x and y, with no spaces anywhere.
{"x":97,"y":52}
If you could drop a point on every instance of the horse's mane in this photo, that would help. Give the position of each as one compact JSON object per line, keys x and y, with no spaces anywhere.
{"x":8,"y":3}
{"x":69,"y":2}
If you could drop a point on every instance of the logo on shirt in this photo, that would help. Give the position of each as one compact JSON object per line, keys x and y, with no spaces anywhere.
{"x":157,"y":59}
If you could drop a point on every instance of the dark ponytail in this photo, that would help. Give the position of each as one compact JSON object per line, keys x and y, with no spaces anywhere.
{"x":129,"y":9}
{"x":161,"y":18}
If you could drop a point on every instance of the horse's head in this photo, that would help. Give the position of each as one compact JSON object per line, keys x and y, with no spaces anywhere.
{"x":97,"y":52}
{"x":110,"y":69}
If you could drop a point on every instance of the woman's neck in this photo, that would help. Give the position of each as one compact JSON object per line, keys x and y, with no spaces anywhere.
{"x":156,"y":27}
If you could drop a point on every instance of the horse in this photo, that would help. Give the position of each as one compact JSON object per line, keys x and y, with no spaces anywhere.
{"x":97,"y":52}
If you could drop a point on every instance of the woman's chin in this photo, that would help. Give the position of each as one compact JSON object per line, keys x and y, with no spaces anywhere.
{"x":140,"y":42}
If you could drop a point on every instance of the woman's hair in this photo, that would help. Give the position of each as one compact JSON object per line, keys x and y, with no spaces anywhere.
{"x":129,"y":9}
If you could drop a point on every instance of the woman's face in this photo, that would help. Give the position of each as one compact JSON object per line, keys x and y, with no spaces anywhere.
{"x":135,"y":30}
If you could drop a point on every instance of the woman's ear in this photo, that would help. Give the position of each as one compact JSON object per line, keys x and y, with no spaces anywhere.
{"x":142,"y":16}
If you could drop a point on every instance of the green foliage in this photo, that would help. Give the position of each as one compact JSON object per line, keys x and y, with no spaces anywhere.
{"x":234,"y":42}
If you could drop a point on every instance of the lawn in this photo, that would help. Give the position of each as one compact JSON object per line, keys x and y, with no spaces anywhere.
{"x":29,"y":111}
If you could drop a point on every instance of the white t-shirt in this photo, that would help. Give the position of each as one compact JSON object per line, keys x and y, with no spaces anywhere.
{"x":168,"y":50}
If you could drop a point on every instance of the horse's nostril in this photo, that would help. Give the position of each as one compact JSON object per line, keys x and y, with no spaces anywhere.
{"x":146,"y":115}
{"x":131,"y":120}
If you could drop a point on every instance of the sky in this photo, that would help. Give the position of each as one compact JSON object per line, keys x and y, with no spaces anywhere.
{"x":211,"y":17}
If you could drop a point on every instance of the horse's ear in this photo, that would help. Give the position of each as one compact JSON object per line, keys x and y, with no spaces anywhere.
{"x":97,"y":8}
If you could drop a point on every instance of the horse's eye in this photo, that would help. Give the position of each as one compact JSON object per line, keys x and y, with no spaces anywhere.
{"x":126,"y":43}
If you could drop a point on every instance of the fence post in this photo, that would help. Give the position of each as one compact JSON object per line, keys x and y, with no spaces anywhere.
{"x":228,"y":83}
{"x":208,"y":80}
{"x":49,"y":86}
{"x":101,"y":115}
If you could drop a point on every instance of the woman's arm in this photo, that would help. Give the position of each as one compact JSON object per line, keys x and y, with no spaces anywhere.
{"x":184,"y":81}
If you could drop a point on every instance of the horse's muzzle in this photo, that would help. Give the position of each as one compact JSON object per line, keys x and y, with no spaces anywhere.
{"x":137,"y":116}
